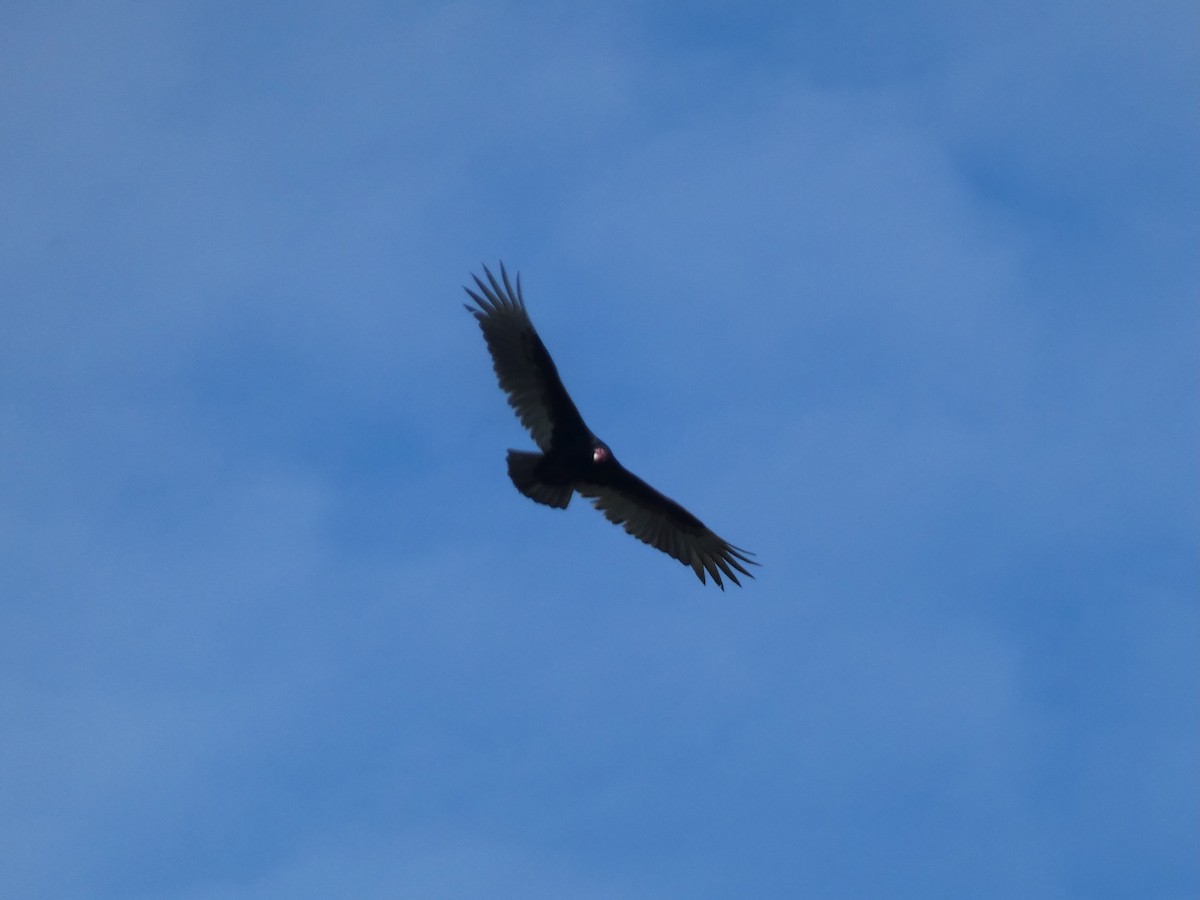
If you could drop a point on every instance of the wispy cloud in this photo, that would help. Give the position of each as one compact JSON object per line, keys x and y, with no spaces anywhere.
{"x":903,"y":301}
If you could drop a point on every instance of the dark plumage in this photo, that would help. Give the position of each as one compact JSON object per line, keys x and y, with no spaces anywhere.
{"x":573,"y":459}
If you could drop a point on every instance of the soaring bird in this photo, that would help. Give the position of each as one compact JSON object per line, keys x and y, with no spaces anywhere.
{"x":572,"y":459}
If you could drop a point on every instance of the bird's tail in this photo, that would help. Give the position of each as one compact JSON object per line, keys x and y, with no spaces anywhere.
{"x":522,"y":469}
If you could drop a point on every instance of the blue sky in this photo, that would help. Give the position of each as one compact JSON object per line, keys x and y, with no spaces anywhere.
{"x":902,"y":298}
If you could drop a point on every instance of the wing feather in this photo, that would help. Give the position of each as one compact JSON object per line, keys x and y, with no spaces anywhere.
{"x":523,"y":365}
{"x":662,"y":523}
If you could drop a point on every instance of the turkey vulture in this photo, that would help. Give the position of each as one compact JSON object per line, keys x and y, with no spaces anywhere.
{"x":572,"y":458}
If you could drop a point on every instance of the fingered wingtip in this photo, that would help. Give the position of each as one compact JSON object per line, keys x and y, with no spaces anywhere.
{"x":497,"y":293}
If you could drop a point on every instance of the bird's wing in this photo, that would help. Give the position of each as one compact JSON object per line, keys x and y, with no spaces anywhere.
{"x":659,"y":521}
{"x":523,"y":365}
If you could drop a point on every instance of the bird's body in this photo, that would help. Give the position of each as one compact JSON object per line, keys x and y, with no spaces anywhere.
{"x":572,"y":458}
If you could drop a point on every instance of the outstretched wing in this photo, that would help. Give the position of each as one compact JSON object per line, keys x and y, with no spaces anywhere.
{"x":660,"y":522}
{"x":523,"y":366}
